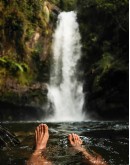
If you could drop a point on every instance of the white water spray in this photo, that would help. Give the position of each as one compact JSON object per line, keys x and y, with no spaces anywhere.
{"x":65,"y":92}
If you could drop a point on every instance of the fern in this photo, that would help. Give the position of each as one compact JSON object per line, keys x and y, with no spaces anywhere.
{"x":12,"y":66}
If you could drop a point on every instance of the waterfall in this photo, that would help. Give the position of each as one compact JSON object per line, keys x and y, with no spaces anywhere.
{"x":65,"y":91}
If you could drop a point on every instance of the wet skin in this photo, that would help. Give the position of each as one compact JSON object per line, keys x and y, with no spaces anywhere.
{"x":41,"y":139}
{"x":76,"y":143}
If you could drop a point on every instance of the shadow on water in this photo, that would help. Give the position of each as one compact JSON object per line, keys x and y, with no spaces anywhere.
{"x":110,"y":139}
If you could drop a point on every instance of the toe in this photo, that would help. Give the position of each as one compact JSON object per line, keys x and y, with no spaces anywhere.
{"x":70,"y":137}
{"x":74,"y":137}
{"x":79,"y":140}
{"x":40,"y":128}
{"x":36,"y":135}
{"x":46,"y":133}
{"x":46,"y":128}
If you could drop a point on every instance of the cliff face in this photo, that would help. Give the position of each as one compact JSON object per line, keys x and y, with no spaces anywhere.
{"x":104,"y":27}
{"x":25,"y":49}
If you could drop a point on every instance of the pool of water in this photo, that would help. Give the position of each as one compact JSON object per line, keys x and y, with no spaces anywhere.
{"x":110,"y":139}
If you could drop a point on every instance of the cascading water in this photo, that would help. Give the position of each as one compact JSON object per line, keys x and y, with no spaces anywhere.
{"x":65,"y":92}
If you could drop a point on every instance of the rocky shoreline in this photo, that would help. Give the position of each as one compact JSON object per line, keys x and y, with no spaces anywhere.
{"x":23,"y":102}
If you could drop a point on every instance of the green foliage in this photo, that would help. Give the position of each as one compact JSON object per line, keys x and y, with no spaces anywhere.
{"x":68,"y":5}
{"x":104,"y":27}
{"x":39,"y":48}
{"x":15,"y":27}
{"x":25,"y":67}
{"x":9,"y":69}
{"x":106,"y":62}
{"x":42,"y":67}
{"x":12,"y":67}
{"x":29,"y":33}
{"x":19,"y":22}
{"x":65,"y":5}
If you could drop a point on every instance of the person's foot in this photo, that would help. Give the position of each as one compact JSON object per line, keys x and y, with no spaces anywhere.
{"x":75,"y":142}
{"x":41,"y":137}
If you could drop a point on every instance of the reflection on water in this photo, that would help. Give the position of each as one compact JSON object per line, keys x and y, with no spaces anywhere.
{"x":110,"y":139}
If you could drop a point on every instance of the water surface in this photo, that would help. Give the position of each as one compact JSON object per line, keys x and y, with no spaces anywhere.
{"x":110,"y":139}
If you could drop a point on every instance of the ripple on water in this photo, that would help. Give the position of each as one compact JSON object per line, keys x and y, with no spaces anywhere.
{"x":110,"y":139}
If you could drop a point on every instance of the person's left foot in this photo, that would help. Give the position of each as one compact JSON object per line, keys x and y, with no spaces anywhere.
{"x":41,"y":137}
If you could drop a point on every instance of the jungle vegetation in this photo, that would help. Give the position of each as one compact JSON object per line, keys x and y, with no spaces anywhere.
{"x":26,"y":29}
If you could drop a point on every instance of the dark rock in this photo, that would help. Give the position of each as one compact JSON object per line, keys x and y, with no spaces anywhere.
{"x":15,"y":112}
{"x":7,"y":139}
{"x":111,"y":101}
{"x":34,"y":95}
{"x":23,"y":103}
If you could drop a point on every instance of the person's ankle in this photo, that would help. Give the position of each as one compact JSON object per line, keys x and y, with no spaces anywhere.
{"x":39,"y":147}
{"x":79,"y":148}
{"x":37,"y":152}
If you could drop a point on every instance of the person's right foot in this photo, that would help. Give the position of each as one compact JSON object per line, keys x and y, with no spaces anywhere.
{"x":75,"y":142}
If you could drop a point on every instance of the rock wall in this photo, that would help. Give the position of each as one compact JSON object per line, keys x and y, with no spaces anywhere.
{"x":104,"y":64}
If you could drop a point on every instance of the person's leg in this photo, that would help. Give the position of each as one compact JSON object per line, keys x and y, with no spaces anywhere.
{"x":76,"y":142}
{"x":41,"y":138}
